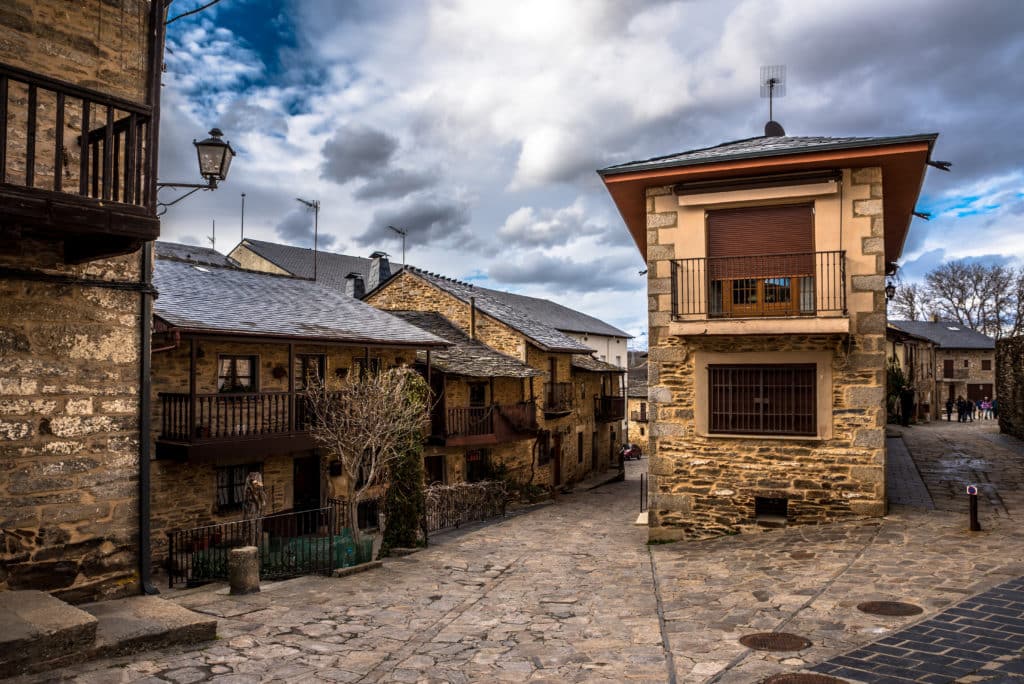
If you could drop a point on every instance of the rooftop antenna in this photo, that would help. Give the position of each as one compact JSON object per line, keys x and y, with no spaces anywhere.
{"x":315,"y":206}
{"x":242,"y":235}
{"x":773,"y":84}
{"x":403,"y":232}
{"x":213,"y":237}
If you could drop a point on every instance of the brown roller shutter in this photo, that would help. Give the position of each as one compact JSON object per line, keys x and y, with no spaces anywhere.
{"x":784,"y":234}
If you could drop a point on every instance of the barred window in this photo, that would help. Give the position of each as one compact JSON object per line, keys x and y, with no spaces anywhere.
{"x":231,"y":485}
{"x":763,"y":400}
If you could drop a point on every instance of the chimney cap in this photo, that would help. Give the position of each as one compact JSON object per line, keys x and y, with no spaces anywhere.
{"x":354,"y":274}
{"x":773,"y":129}
{"x":378,"y":254}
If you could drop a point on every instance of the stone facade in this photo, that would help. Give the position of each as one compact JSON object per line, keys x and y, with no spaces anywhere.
{"x":1010,"y":380}
{"x":916,"y":358}
{"x":704,"y":485}
{"x":973,"y":376}
{"x":69,"y":378}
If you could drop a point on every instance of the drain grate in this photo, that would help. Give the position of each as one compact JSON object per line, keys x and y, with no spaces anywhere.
{"x":889,"y":608}
{"x":802,"y":678}
{"x":774,"y":641}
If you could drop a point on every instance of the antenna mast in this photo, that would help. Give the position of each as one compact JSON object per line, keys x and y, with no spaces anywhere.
{"x":315,"y":206}
{"x":403,"y":232}
{"x":773,"y":84}
{"x":213,"y":237}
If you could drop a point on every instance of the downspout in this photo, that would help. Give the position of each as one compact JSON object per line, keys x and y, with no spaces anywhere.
{"x":472,"y":318}
{"x":157,"y":28}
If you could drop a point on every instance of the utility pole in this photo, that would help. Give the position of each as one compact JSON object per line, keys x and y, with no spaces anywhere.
{"x":242,"y":234}
{"x":402,"y":232}
{"x":315,"y":206}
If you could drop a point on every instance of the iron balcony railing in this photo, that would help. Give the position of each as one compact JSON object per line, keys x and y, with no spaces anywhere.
{"x":558,"y":397}
{"x":228,"y":416}
{"x":608,"y":408}
{"x":800,"y":284}
{"x":64,"y":138}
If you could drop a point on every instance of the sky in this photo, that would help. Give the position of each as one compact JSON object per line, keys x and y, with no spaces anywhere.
{"x":477,"y":126}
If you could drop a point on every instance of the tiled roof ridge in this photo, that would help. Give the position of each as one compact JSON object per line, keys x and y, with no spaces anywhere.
{"x":416,"y":269}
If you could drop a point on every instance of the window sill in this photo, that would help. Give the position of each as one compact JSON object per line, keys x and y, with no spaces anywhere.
{"x":761,"y":326}
{"x":781,"y":438}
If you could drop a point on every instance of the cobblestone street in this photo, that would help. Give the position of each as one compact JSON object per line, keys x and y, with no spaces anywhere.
{"x":571,"y":592}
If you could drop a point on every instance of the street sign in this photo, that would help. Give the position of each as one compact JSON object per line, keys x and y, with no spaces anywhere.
{"x":972,"y":490}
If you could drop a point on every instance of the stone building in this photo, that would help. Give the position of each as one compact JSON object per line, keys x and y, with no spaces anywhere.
{"x":232,"y":352}
{"x":914,"y":355}
{"x":78,"y":147}
{"x":767,"y":260}
{"x":578,"y":398}
{"x":1010,"y":379}
{"x":636,"y":404}
{"x":963,"y":361}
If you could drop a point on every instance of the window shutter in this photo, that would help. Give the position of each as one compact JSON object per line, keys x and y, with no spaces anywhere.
{"x":783,"y":236}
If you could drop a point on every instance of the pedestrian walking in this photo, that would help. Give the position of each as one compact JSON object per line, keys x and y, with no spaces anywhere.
{"x":986,"y":408}
{"x":961,"y":410}
{"x":949,"y":409}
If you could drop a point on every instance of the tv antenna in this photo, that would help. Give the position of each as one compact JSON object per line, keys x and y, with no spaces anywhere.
{"x":213,"y":236}
{"x":773,"y":84}
{"x":315,"y":206}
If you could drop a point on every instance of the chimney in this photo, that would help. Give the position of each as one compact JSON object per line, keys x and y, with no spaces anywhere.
{"x":380,"y":270}
{"x":354,"y":286}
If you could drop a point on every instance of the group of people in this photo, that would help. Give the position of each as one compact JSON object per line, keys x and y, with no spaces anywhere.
{"x":967,"y":410}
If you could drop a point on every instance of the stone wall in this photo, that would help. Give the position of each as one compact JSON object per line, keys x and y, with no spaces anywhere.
{"x":1009,"y":372}
{"x":704,"y":485}
{"x":69,"y":378}
{"x":966,"y":371}
{"x":249,"y":259}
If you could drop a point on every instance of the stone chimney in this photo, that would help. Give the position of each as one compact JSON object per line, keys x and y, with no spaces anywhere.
{"x":354,"y":286}
{"x":380,"y":270}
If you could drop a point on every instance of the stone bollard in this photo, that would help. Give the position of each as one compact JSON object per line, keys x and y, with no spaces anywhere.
{"x":244,"y":570}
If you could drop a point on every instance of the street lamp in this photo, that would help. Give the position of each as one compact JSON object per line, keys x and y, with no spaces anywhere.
{"x":215,"y":157}
{"x":890,"y":290}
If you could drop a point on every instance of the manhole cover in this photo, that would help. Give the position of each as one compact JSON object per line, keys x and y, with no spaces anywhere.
{"x":802,"y":678}
{"x":774,"y":641}
{"x":890,"y":608}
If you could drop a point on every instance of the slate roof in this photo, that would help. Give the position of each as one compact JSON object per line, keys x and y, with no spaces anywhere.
{"x":637,"y":387}
{"x":946,"y":335}
{"x":192,"y":253}
{"x":331,"y":268}
{"x":589,"y":363}
{"x":544,"y":336}
{"x":557,"y":316}
{"x":761,"y":146}
{"x":466,"y":356}
{"x":234,"y":301}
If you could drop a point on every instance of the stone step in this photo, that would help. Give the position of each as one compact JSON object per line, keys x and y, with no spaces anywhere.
{"x":38,"y":628}
{"x":46,"y":633}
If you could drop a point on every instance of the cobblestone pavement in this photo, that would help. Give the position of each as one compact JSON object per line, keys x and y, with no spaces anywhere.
{"x":571,"y":592}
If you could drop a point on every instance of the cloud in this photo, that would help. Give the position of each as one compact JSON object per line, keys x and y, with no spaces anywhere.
{"x":297,"y":228}
{"x":530,"y":227}
{"x":567,"y":274}
{"x":426,"y":222}
{"x":394,"y":183}
{"x":357,"y":151}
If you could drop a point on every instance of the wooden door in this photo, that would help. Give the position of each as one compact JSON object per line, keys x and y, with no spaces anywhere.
{"x":306,"y":483}
{"x":556,"y":459}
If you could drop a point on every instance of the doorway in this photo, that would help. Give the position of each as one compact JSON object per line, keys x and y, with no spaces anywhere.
{"x":306,"y":483}
{"x":556,"y":459}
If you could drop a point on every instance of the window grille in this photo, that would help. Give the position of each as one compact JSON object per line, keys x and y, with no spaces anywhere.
{"x":763,"y":400}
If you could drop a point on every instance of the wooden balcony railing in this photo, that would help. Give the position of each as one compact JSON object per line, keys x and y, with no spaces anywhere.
{"x":486,"y":424}
{"x":222,"y":417}
{"x":521,"y":417}
{"x":608,"y":408}
{"x":471,"y":421}
{"x":804,"y":284}
{"x":558,"y":397}
{"x":74,"y":160}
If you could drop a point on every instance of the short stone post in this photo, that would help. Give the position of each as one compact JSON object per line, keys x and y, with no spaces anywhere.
{"x":244,"y":570}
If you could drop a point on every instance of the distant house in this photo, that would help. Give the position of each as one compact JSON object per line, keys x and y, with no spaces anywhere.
{"x":964,"y":362}
{"x":232,"y":352}
{"x":350,"y":274}
{"x":636,"y":402}
{"x":914,"y":355}
{"x":767,"y":260}
{"x":578,"y":397}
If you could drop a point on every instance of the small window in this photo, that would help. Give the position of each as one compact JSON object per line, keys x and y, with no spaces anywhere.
{"x":434,"y":467}
{"x":231,"y":485}
{"x":763,"y":400}
{"x":477,"y":394}
{"x":986,"y":364}
{"x":361,"y":365}
{"x":966,"y":363}
{"x":312,"y":368}
{"x":236,"y":374}
{"x":641,"y":432}
{"x":477,"y":465}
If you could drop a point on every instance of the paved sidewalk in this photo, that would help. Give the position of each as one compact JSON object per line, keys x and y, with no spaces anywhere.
{"x":571,"y":592}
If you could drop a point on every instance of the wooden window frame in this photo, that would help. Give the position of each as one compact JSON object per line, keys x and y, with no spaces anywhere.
{"x":233,"y":488}
{"x":254,"y":365}
{"x":986,"y":364}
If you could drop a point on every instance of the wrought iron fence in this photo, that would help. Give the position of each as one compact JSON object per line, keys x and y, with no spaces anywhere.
{"x":290,"y":544}
{"x":450,"y":506}
{"x":803,"y":284}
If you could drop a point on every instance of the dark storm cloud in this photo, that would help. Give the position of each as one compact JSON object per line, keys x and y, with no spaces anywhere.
{"x":296,"y":228}
{"x":426,"y":222}
{"x":393,"y":183}
{"x":566,"y":275}
{"x":357,"y":152}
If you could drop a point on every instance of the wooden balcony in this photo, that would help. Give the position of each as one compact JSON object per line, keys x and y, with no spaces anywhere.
{"x":759,"y":294}
{"x":609,"y":408}
{"x":252,"y":423}
{"x":483,"y":425}
{"x":559,"y":399}
{"x":76,"y":165}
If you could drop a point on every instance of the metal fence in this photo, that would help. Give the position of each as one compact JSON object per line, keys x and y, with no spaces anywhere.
{"x":316,"y":541}
{"x":450,"y":506}
{"x":644,"y":484}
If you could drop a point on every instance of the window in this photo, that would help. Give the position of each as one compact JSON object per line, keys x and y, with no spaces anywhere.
{"x":477,"y":394}
{"x":966,"y":363}
{"x":478,"y":465}
{"x":311,"y":369}
{"x":763,"y":400}
{"x":986,"y":364}
{"x":236,"y":374}
{"x":231,"y":485}
{"x":362,"y":364}
{"x":434,"y":467}
{"x":947,"y":368}
{"x":641,"y":431}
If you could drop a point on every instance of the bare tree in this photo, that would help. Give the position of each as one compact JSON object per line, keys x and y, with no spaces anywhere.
{"x":909,"y":303}
{"x":366,"y":423}
{"x":977,"y":296}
